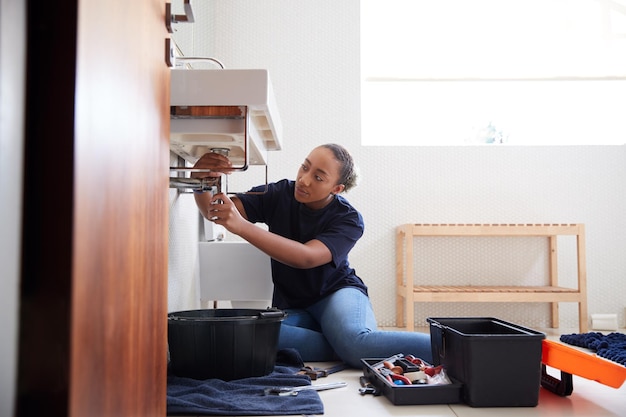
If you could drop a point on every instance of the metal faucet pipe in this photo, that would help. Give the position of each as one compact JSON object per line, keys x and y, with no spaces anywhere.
{"x":196,"y":184}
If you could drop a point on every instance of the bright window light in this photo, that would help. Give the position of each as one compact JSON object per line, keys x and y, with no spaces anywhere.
{"x":487,"y":72}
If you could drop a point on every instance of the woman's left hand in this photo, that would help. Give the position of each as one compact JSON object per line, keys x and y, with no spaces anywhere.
{"x":223,"y":211}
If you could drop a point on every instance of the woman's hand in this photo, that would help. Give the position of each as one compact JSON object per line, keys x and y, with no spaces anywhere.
{"x":217,"y":164}
{"x":224,"y":211}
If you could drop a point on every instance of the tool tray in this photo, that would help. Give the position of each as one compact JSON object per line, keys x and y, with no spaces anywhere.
{"x":411,"y":394}
{"x":571,"y":361}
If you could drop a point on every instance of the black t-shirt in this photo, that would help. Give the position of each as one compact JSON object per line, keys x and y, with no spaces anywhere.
{"x":338,"y":226}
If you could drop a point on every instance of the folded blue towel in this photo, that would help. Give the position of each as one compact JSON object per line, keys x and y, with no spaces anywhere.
{"x":611,"y":346}
{"x":187,"y":396}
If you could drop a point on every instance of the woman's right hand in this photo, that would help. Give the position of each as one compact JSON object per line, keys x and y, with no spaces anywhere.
{"x":217,"y":164}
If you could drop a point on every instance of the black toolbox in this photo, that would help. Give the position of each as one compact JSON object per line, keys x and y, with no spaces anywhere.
{"x":498,"y":363}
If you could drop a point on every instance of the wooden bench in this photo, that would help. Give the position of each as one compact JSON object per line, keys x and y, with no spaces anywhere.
{"x":411,"y":289}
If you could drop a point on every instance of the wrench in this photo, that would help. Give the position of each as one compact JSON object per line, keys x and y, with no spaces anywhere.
{"x":295,"y":390}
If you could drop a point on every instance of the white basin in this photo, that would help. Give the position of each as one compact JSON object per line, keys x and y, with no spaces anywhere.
{"x":250,"y":89}
{"x":234,"y":271}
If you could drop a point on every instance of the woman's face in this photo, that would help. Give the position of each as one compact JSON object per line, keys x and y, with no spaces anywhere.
{"x":316,"y":182}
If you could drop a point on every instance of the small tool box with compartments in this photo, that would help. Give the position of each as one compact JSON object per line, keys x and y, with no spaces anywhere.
{"x":487,"y":363}
{"x":404,"y":381}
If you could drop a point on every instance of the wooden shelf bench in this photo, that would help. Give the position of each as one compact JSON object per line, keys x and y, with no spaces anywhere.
{"x":411,"y":290}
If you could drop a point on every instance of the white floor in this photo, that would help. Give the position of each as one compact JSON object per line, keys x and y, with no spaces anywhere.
{"x":588,"y":399}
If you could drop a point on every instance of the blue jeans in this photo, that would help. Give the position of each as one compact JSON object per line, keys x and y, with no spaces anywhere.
{"x":342,"y":326}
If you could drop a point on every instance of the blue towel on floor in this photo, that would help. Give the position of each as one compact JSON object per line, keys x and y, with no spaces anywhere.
{"x":187,"y":396}
{"x":612,"y":346}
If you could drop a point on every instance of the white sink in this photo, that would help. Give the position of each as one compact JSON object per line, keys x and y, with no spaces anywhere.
{"x":234,"y":271}
{"x":249,"y":89}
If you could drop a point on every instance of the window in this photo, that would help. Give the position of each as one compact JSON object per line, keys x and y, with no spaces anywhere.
{"x":527,"y":72}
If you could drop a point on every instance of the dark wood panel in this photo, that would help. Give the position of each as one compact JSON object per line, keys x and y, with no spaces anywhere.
{"x":46,"y":279}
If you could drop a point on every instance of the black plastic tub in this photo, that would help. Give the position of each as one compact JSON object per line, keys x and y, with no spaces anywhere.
{"x":225,"y":344}
{"x":499,"y":363}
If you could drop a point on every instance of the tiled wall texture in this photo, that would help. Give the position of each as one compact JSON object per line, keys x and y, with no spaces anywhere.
{"x":311,"y":49}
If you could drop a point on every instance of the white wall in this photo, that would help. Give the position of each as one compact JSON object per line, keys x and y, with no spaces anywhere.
{"x":12,"y":64}
{"x":311,"y":49}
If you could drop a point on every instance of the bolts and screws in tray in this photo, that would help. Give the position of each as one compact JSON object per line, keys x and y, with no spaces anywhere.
{"x":410,"y":370}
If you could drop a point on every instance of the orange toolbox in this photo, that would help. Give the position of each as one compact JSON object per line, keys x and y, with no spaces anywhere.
{"x":571,"y":361}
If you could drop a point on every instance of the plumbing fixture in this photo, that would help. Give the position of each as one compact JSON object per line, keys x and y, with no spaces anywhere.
{"x":222,"y":109}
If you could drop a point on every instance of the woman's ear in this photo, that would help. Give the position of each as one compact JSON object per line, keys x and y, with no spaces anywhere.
{"x":338,"y":189}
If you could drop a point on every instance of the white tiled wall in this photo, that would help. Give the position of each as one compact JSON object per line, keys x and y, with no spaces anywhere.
{"x":183,"y":292}
{"x":311,"y":49}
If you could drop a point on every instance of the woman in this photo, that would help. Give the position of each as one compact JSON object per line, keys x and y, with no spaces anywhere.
{"x":311,"y":230}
